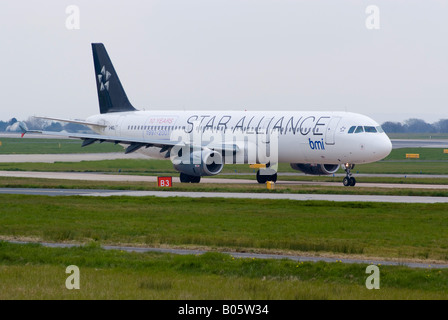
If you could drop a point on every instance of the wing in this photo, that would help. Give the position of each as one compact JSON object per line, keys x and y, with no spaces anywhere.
{"x":134,"y":144}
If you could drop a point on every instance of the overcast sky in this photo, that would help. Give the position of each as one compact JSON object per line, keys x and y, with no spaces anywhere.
{"x":228,"y":54}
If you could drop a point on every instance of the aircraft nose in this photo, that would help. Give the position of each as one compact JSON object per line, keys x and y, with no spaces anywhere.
{"x":384,"y":147}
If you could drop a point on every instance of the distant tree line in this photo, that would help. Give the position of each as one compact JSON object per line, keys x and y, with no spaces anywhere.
{"x":40,"y":124}
{"x":416,"y":126}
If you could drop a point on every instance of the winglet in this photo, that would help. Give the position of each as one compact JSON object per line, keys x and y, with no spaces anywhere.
{"x":23,"y":128}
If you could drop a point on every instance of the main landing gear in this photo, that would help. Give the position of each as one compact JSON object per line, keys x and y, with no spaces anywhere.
{"x":263,"y":177}
{"x":185,"y":178}
{"x":349,"y":180}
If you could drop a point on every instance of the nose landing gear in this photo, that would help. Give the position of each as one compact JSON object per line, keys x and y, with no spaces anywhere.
{"x":349,"y":180}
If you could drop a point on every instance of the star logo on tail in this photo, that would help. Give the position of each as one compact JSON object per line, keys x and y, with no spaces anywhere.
{"x":103,"y":79}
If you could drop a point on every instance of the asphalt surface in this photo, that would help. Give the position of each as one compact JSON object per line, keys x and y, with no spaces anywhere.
{"x":274,"y":196}
{"x":137,"y":178}
{"x":419,"y":143}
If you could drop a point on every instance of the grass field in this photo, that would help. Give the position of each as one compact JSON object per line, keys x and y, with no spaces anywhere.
{"x":52,"y":146}
{"x":432,"y":161}
{"x":411,"y":231}
{"x":153,"y":167}
{"x":34,"y":271}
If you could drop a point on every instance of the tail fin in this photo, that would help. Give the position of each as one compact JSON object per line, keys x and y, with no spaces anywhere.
{"x":111,"y":95}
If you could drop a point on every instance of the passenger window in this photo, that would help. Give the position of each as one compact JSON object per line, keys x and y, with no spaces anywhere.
{"x":351,"y":129}
{"x":359,"y":129}
{"x":370,"y":129}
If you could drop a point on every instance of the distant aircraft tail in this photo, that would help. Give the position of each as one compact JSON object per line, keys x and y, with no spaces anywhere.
{"x":111,"y":95}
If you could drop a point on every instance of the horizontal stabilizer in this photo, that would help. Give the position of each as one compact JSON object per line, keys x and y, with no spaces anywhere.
{"x":73,"y":121}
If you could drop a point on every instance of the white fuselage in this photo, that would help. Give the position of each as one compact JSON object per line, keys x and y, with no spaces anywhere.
{"x":303,"y":137}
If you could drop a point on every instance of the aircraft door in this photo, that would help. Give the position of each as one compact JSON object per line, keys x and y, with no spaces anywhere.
{"x":119,"y":126}
{"x":331,"y":130}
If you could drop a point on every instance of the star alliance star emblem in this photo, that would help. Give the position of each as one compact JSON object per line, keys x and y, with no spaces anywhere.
{"x":106,"y":75}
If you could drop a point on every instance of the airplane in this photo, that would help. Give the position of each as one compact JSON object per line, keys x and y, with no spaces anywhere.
{"x":316,"y":143}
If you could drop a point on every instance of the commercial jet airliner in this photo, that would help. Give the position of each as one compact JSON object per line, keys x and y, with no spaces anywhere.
{"x":199,"y":143}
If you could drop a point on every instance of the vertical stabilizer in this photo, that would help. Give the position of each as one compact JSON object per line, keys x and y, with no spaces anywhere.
{"x":111,"y":95}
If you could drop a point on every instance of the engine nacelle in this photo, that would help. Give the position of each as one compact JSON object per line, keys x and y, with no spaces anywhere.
{"x":316,"y":169}
{"x":202,"y":163}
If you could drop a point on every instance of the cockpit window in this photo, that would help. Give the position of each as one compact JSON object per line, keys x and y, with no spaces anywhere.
{"x":359,"y":129}
{"x":370,"y":129}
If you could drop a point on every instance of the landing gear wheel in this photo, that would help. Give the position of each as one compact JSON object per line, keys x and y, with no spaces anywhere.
{"x":261,"y":178}
{"x":186,"y":178}
{"x":349,"y":181}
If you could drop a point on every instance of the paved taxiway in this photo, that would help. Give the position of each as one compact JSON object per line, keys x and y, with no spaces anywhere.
{"x":77,"y":157}
{"x":214,"y":180}
{"x":274,"y":196}
{"x":137,"y":178}
{"x":419,"y":143}
{"x":256,"y":255}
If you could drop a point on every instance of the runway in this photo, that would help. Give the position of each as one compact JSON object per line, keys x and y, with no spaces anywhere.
{"x":209,"y":180}
{"x":419,"y":143}
{"x":299,"y":258}
{"x":214,"y":180}
{"x":272,"y":196}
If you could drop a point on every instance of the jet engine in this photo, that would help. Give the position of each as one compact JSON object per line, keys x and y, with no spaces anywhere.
{"x":202,"y":163}
{"x":316,"y":169}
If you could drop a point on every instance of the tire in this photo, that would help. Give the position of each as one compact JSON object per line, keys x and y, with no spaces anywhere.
{"x":272,"y":178}
{"x":346,"y":182}
{"x":195,"y":179}
{"x":352,"y":181}
{"x":184,"y":178}
{"x":262,"y":178}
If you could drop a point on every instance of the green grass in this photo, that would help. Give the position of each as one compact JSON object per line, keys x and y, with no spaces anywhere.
{"x":110,"y":166}
{"x":52,"y":146}
{"x":36,"y":272}
{"x":432,"y":161}
{"x":412,"y":231}
{"x":428,"y":154}
{"x":154,"y":167}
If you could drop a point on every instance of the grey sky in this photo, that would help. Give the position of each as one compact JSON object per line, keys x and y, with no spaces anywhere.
{"x":229,"y":54}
